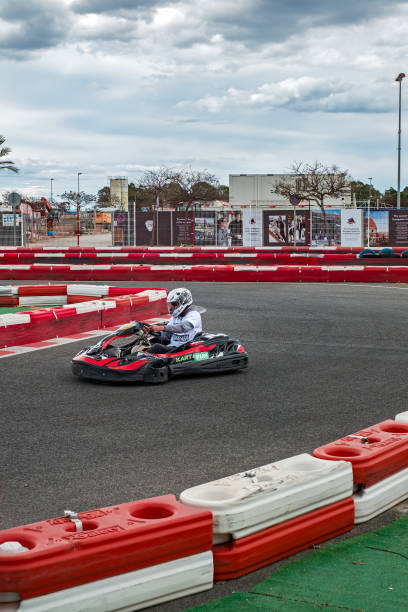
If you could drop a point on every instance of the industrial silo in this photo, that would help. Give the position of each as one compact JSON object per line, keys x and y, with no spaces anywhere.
{"x":119,"y":191}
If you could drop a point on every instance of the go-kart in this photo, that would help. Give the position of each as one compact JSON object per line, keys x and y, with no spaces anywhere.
{"x":122,"y":356}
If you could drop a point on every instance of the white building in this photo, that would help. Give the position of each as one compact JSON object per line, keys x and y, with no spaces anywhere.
{"x":258,"y":190}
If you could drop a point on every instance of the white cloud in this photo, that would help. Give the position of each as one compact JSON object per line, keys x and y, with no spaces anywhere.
{"x":231,"y":85}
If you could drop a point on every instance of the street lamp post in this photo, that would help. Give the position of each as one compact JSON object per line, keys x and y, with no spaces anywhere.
{"x":399,"y":80}
{"x":370,"y":178}
{"x":79,"y":173}
{"x":51,"y":191}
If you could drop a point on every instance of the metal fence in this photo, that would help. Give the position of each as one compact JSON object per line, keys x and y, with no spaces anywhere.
{"x":35,"y":229}
{"x":250,"y":226}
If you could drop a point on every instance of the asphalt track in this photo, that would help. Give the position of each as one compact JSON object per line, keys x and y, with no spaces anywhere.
{"x":325,"y":361}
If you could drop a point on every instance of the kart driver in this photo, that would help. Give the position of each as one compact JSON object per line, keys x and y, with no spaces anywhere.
{"x":184,"y":325}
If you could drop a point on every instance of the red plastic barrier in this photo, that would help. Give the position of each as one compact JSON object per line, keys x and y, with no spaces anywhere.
{"x":25,"y":290}
{"x":180,"y":273}
{"x":8,"y":301}
{"x":49,"y":323}
{"x":74,"y":299}
{"x":313,"y":274}
{"x":245,"y":555}
{"x":114,"y":540}
{"x":375,"y":452}
{"x":398,"y":274}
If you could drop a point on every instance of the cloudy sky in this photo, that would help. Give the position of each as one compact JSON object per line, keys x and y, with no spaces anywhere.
{"x":115,"y":87}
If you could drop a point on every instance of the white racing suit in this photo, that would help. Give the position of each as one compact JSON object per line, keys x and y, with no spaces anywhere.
{"x":179,"y":330}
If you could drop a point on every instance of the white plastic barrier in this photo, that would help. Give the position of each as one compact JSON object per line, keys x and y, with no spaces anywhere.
{"x":254,"y":500}
{"x":402,"y":417}
{"x":39,"y":300}
{"x":91,"y":290}
{"x":91,"y":306}
{"x":131,"y":591}
{"x":17,"y":318}
{"x":8,"y":291}
{"x":381,"y":496}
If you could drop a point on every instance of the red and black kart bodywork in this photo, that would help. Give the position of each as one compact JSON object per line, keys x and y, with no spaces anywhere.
{"x":207,"y":354}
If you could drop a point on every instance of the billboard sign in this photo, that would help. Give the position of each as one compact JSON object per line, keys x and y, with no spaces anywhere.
{"x":352,"y":227}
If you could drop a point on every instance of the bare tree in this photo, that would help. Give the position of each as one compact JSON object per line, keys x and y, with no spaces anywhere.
{"x":6,"y":164}
{"x":315,"y":182}
{"x":156,"y":182}
{"x":182,"y":187}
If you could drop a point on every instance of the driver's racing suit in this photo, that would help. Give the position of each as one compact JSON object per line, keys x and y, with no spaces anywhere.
{"x":178,"y":331}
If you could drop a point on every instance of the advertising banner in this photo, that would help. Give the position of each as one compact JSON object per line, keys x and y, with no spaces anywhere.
{"x":204,"y":228}
{"x":182,"y":228}
{"x":377,"y":226}
{"x":352,"y":228}
{"x":398,"y":227}
{"x":153,"y":228}
{"x":279,"y":227}
{"x":252,"y":227}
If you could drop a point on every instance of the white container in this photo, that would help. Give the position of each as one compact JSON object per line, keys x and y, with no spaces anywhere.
{"x":254,"y":500}
{"x":131,"y":591}
{"x":381,"y":496}
{"x":402,"y":417}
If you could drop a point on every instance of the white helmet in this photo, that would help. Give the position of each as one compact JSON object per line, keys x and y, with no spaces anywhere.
{"x":179,"y":299}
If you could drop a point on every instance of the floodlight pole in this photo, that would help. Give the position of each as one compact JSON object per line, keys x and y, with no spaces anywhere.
{"x":399,"y":81}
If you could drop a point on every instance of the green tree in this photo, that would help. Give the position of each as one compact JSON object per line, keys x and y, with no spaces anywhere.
{"x":103,"y":197}
{"x":364,"y":192}
{"x":6,"y":164}
{"x":315,"y":182}
{"x":223,"y":193}
{"x":72,"y":198}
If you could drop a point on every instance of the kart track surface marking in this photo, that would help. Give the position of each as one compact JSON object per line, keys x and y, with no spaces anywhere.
{"x":324,"y":361}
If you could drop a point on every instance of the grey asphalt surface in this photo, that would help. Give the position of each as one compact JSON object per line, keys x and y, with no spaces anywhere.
{"x":325,"y":361}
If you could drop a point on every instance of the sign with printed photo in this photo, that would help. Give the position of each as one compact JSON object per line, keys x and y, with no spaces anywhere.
{"x":377,"y":225}
{"x":252,"y":227}
{"x":352,"y":227}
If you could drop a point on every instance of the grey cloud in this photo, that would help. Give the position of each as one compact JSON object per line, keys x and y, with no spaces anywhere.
{"x":111,"y":6}
{"x":276,"y":20}
{"x":35,"y":24}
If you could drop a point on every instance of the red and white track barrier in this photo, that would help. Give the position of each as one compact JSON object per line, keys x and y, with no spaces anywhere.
{"x":239,"y":557}
{"x":251,"y":501}
{"x":130,"y":591}
{"x":65,"y":552}
{"x":223,"y":273}
{"x":378,"y":498}
{"x":123,"y":304}
{"x":379,"y":456}
{"x":184,"y":258}
{"x":275,"y":510}
{"x":85,"y":250}
{"x":375,"y":452}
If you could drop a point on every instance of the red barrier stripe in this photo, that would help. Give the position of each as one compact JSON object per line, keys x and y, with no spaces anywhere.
{"x":25,"y":290}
